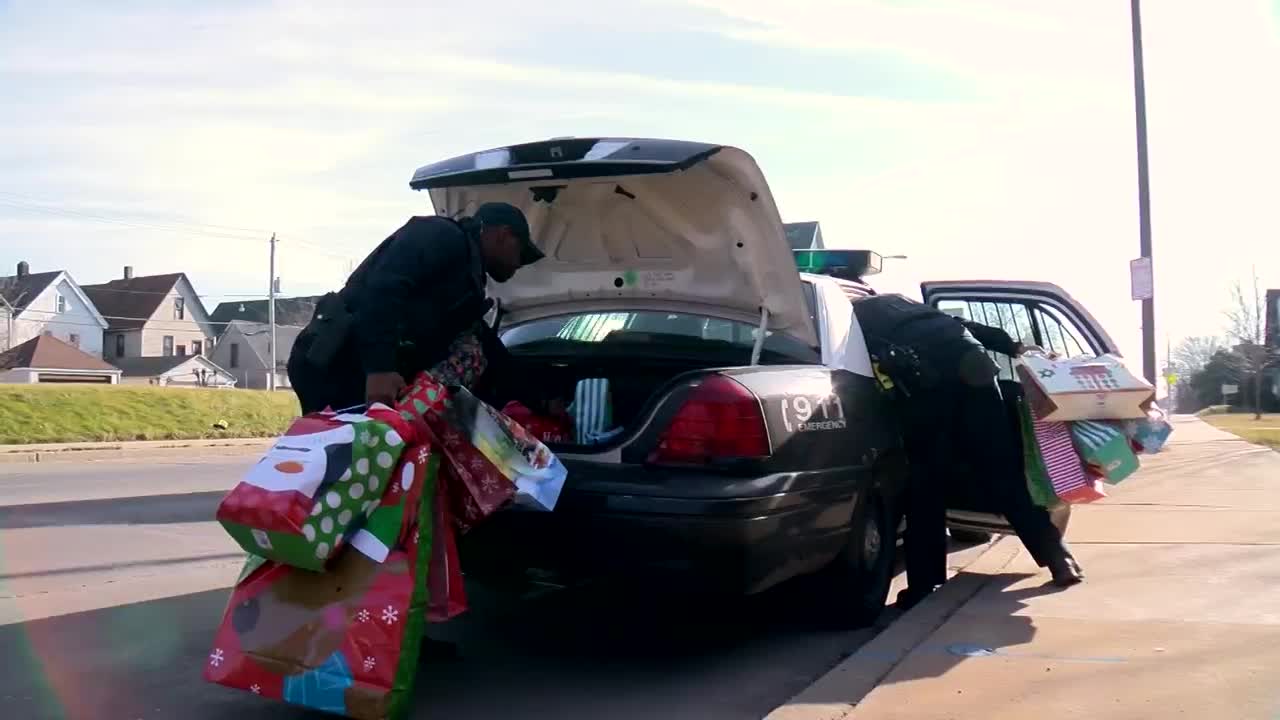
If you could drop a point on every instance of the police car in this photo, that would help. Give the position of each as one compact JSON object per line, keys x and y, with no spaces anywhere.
{"x":747,"y":440}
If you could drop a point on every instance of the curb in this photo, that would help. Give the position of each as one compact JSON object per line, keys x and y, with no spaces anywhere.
{"x":835,"y":695}
{"x":90,"y":452}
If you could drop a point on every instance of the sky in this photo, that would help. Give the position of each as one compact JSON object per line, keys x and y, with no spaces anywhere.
{"x":982,"y":139}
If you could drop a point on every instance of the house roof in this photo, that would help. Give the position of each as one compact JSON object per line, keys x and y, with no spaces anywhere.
{"x":127,"y":304}
{"x":20,"y":291}
{"x":156,"y":366}
{"x":289,"y":311}
{"x":258,"y":337}
{"x":46,"y":352}
{"x":803,"y":235}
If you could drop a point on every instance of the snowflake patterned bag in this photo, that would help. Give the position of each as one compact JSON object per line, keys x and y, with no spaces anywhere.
{"x":316,"y":485}
{"x":346,"y":640}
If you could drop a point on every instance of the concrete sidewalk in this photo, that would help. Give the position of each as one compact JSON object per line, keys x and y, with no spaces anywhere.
{"x":1180,"y":615}
{"x":158,"y":449}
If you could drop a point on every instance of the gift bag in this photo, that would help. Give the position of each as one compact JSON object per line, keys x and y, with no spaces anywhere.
{"x":592,"y":410}
{"x":1099,"y":388}
{"x":315,"y":486}
{"x":1105,"y":450}
{"x":546,"y":428}
{"x":478,"y":488}
{"x":448,"y":597}
{"x":1148,"y":435}
{"x":1066,"y":471}
{"x":1038,"y":483}
{"x":537,"y":474}
{"x":493,"y":459}
{"x":343,"y":641}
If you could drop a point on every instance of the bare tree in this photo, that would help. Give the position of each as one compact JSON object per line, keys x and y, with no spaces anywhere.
{"x":1192,"y":354}
{"x":1248,"y":325}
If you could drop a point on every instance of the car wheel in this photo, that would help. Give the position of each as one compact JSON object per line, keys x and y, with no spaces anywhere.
{"x":852,"y":590}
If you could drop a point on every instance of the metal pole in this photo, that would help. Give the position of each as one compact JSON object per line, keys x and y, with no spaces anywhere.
{"x":271,"y":315}
{"x":1144,"y":193}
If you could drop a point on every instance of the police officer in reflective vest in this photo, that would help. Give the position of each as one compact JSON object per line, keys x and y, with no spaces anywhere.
{"x":950,"y":404}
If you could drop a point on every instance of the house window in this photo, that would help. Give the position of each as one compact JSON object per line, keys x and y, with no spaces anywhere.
{"x":197,"y":347}
{"x":182,"y":351}
{"x":62,"y":303}
{"x":179,"y":308}
{"x":74,"y":339}
{"x":168,"y":346}
{"x":119,"y":346}
{"x":235,"y":355}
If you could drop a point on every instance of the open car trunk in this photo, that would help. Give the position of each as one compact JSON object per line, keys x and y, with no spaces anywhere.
{"x":639,"y":370}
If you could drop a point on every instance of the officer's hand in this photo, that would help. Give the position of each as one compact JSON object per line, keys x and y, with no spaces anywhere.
{"x":383,"y":387}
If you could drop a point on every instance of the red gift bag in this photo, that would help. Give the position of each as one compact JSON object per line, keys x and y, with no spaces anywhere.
{"x":345,"y":640}
{"x":480,"y":488}
{"x":547,"y":429}
{"x":448,"y":595}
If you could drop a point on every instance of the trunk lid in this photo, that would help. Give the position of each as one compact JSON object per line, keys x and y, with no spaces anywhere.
{"x":631,"y":224}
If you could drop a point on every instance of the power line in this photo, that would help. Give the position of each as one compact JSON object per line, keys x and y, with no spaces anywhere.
{"x":62,"y":212}
{"x":170,"y":220}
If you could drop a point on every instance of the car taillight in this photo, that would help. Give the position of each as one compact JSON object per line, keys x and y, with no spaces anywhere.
{"x":720,"y":420}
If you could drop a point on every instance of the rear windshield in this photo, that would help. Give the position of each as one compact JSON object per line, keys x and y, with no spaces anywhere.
{"x":642,"y":326}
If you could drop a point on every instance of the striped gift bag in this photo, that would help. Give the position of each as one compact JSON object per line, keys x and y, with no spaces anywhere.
{"x":1066,"y":471}
{"x":592,"y":410}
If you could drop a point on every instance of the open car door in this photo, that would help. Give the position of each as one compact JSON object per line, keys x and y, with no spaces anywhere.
{"x":1034,"y":313}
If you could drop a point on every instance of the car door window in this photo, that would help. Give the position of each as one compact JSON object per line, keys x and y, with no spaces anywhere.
{"x":1028,"y":322}
{"x":1060,"y":335}
{"x":1011,"y":316}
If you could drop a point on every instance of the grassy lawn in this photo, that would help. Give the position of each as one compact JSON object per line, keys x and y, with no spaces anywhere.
{"x":84,"y":413}
{"x":1263,"y":432}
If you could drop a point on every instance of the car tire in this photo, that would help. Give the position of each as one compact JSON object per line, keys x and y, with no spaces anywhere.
{"x":852,"y":590}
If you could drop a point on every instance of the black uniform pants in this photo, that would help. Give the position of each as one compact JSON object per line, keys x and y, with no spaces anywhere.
{"x":339,"y":386}
{"x":995,"y":449}
{"x":940,"y":426}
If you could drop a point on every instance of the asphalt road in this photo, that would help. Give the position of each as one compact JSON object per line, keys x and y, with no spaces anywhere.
{"x":113,"y":578}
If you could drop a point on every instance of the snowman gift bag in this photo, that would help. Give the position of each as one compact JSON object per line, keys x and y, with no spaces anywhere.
{"x":316,"y":485}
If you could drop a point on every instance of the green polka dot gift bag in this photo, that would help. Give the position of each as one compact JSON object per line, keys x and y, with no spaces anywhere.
{"x":317,"y":485}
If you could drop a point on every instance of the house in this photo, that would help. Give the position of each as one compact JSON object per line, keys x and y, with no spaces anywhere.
{"x":296,"y":311}
{"x":49,"y":303}
{"x":244,"y":349}
{"x":48,"y":359}
{"x":174,"y":371}
{"x":804,"y":235}
{"x":152,"y":316}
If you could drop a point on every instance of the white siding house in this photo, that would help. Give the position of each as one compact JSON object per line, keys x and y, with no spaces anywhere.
{"x":49,"y":303}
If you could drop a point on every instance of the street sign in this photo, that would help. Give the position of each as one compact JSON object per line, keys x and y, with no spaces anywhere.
{"x":1230,"y":389}
{"x":1141,"y":279}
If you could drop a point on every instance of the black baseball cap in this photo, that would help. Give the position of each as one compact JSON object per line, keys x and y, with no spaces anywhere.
{"x":500,"y":213}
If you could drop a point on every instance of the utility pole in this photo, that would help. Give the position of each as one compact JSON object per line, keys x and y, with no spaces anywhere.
{"x":271,"y":315}
{"x":1144,"y":194}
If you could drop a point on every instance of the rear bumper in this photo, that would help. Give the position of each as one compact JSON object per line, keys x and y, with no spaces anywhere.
{"x":736,"y":535}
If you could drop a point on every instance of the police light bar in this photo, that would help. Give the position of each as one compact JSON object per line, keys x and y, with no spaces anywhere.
{"x":842,"y":264}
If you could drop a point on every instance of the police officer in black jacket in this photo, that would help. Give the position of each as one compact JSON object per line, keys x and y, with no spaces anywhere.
{"x":404,"y":305}
{"x":950,"y":403}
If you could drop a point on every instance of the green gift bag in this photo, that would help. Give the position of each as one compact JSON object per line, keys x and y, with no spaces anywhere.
{"x":1038,"y":483}
{"x":1105,"y":449}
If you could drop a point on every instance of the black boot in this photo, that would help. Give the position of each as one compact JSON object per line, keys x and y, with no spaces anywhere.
{"x":1066,"y":571}
{"x":911,"y":597}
